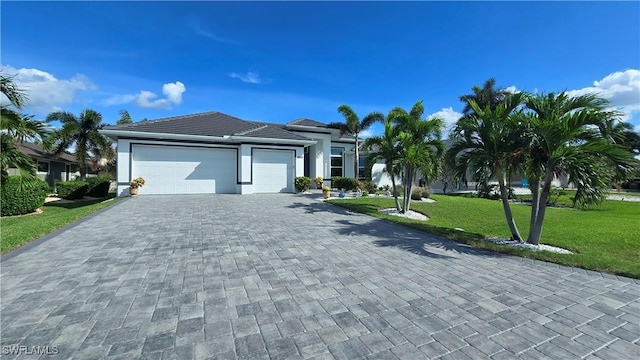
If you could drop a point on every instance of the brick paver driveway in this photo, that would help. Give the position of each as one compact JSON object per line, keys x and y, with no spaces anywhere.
{"x":285,"y":276}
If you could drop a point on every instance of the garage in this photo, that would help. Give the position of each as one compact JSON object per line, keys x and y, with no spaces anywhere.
{"x":184,"y":169}
{"x":272,"y":171}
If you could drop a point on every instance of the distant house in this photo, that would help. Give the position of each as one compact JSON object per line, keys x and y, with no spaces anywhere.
{"x":51,"y":168}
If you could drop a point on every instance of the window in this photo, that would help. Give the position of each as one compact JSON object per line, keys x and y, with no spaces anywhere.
{"x":362,"y":165}
{"x":336,"y":161}
{"x":43,"y":167}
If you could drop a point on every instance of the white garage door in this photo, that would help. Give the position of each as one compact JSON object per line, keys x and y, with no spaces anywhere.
{"x":184,"y":170}
{"x":272,"y":171}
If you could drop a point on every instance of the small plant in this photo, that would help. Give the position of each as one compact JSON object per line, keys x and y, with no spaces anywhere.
{"x":385,"y":188}
{"x":137,"y":183}
{"x":417,"y":193}
{"x":318,"y":180}
{"x":326,"y":188}
{"x":365,"y":193}
{"x":367,"y":185}
{"x":303,"y":183}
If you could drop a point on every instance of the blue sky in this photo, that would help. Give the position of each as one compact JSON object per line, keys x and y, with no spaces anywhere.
{"x":280,"y":61}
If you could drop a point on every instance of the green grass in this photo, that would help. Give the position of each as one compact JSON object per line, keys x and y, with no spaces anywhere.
{"x":604,"y":238}
{"x":20,"y":230}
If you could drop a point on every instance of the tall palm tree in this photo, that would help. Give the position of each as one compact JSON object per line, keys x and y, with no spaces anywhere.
{"x":354,"y":126}
{"x":82,"y":132}
{"x":568,"y":136}
{"x":386,"y":148}
{"x":15,"y":128}
{"x":420,"y":144}
{"x":489,"y":142}
{"x":484,"y":96}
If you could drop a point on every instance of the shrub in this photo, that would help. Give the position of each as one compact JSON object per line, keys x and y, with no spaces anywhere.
{"x":137,"y":183}
{"x":72,"y":190}
{"x":367,"y":185}
{"x":399,"y":190}
{"x":365,"y":193}
{"x":318,"y":180}
{"x":385,"y":188}
{"x":17,"y":200}
{"x":344,"y":183}
{"x":303,"y":183}
{"x":98,"y":186}
{"x":416,"y":193}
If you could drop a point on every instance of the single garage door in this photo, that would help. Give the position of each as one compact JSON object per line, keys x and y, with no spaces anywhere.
{"x":272,"y":171}
{"x":184,"y":170}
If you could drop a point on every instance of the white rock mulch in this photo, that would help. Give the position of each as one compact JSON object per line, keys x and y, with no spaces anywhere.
{"x":519,"y":244}
{"x":409,"y":214}
{"x":623,"y":198}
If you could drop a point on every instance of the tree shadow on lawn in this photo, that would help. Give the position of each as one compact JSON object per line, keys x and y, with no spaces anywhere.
{"x":76,"y":204}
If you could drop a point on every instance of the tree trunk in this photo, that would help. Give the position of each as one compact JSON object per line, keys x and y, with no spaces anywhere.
{"x":536,"y":230}
{"x":407,"y":191}
{"x":534,"y":185}
{"x":356,"y":163}
{"x":395,"y":193}
{"x":515,"y":234}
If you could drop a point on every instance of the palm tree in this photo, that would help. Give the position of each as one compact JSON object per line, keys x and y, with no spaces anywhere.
{"x":385,"y":148}
{"x":420,"y":146}
{"x":125,"y":118}
{"x":16,"y":127}
{"x":82,"y":132}
{"x":484,"y":96}
{"x":489,"y":142}
{"x":568,"y":136}
{"x":354,"y":126}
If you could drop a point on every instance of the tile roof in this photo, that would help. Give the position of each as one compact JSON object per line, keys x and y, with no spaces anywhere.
{"x":210,"y":124}
{"x":36,"y":151}
{"x":307,"y":122}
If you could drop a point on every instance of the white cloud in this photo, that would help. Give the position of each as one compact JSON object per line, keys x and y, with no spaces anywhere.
{"x":366,"y":133}
{"x":202,"y":31}
{"x":622,"y":88}
{"x":45,"y":92}
{"x":147,"y":99}
{"x":449,"y":116}
{"x":512,"y":89}
{"x":250,"y":77}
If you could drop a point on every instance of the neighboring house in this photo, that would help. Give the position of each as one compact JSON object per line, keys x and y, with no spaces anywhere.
{"x":51,"y":168}
{"x":217,"y":153}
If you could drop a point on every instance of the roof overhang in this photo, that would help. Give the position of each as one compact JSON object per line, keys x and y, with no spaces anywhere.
{"x":231,"y":139}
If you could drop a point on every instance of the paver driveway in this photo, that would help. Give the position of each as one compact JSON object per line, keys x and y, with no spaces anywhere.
{"x":285,"y":276}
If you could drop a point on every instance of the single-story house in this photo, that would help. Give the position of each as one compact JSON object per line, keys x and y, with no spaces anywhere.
{"x":213,"y":152}
{"x":51,"y":168}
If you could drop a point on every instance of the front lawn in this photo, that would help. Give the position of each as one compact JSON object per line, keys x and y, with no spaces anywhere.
{"x":605,"y":238}
{"x":19,"y":230}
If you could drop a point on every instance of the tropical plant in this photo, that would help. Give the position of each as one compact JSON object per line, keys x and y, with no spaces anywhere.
{"x":354,"y":126}
{"x":125,"y":118}
{"x":16,"y":127}
{"x":489,"y":143}
{"x":420,"y":145}
{"x":568,"y":136}
{"x":139,"y":182}
{"x":385,"y":148}
{"x":81,"y":131}
{"x":484,"y":96}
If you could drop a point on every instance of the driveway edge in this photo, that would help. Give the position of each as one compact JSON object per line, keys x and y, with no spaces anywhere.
{"x":19,"y":250}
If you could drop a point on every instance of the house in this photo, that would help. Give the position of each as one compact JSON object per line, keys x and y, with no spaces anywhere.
{"x":213,"y":152}
{"x":51,"y":168}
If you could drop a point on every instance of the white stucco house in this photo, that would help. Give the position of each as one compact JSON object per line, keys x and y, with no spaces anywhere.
{"x":217,"y":153}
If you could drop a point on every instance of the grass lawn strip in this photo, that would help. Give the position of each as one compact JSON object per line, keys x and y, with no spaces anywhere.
{"x":20,"y":230}
{"x":604,"y":238}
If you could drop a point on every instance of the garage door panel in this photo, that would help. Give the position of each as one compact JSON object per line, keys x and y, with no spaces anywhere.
{"x":185,"y":170}
{"x":272,"y":171}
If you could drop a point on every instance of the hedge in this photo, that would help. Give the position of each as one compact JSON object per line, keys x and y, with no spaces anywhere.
{"x":25,"y":200}
{"x":98,"y":186}
{"x":339,"y":182}
{"x":72,"y":190}
{"x":303,"y":183}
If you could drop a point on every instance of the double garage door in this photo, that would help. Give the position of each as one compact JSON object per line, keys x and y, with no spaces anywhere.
{"x":199,"y":170}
